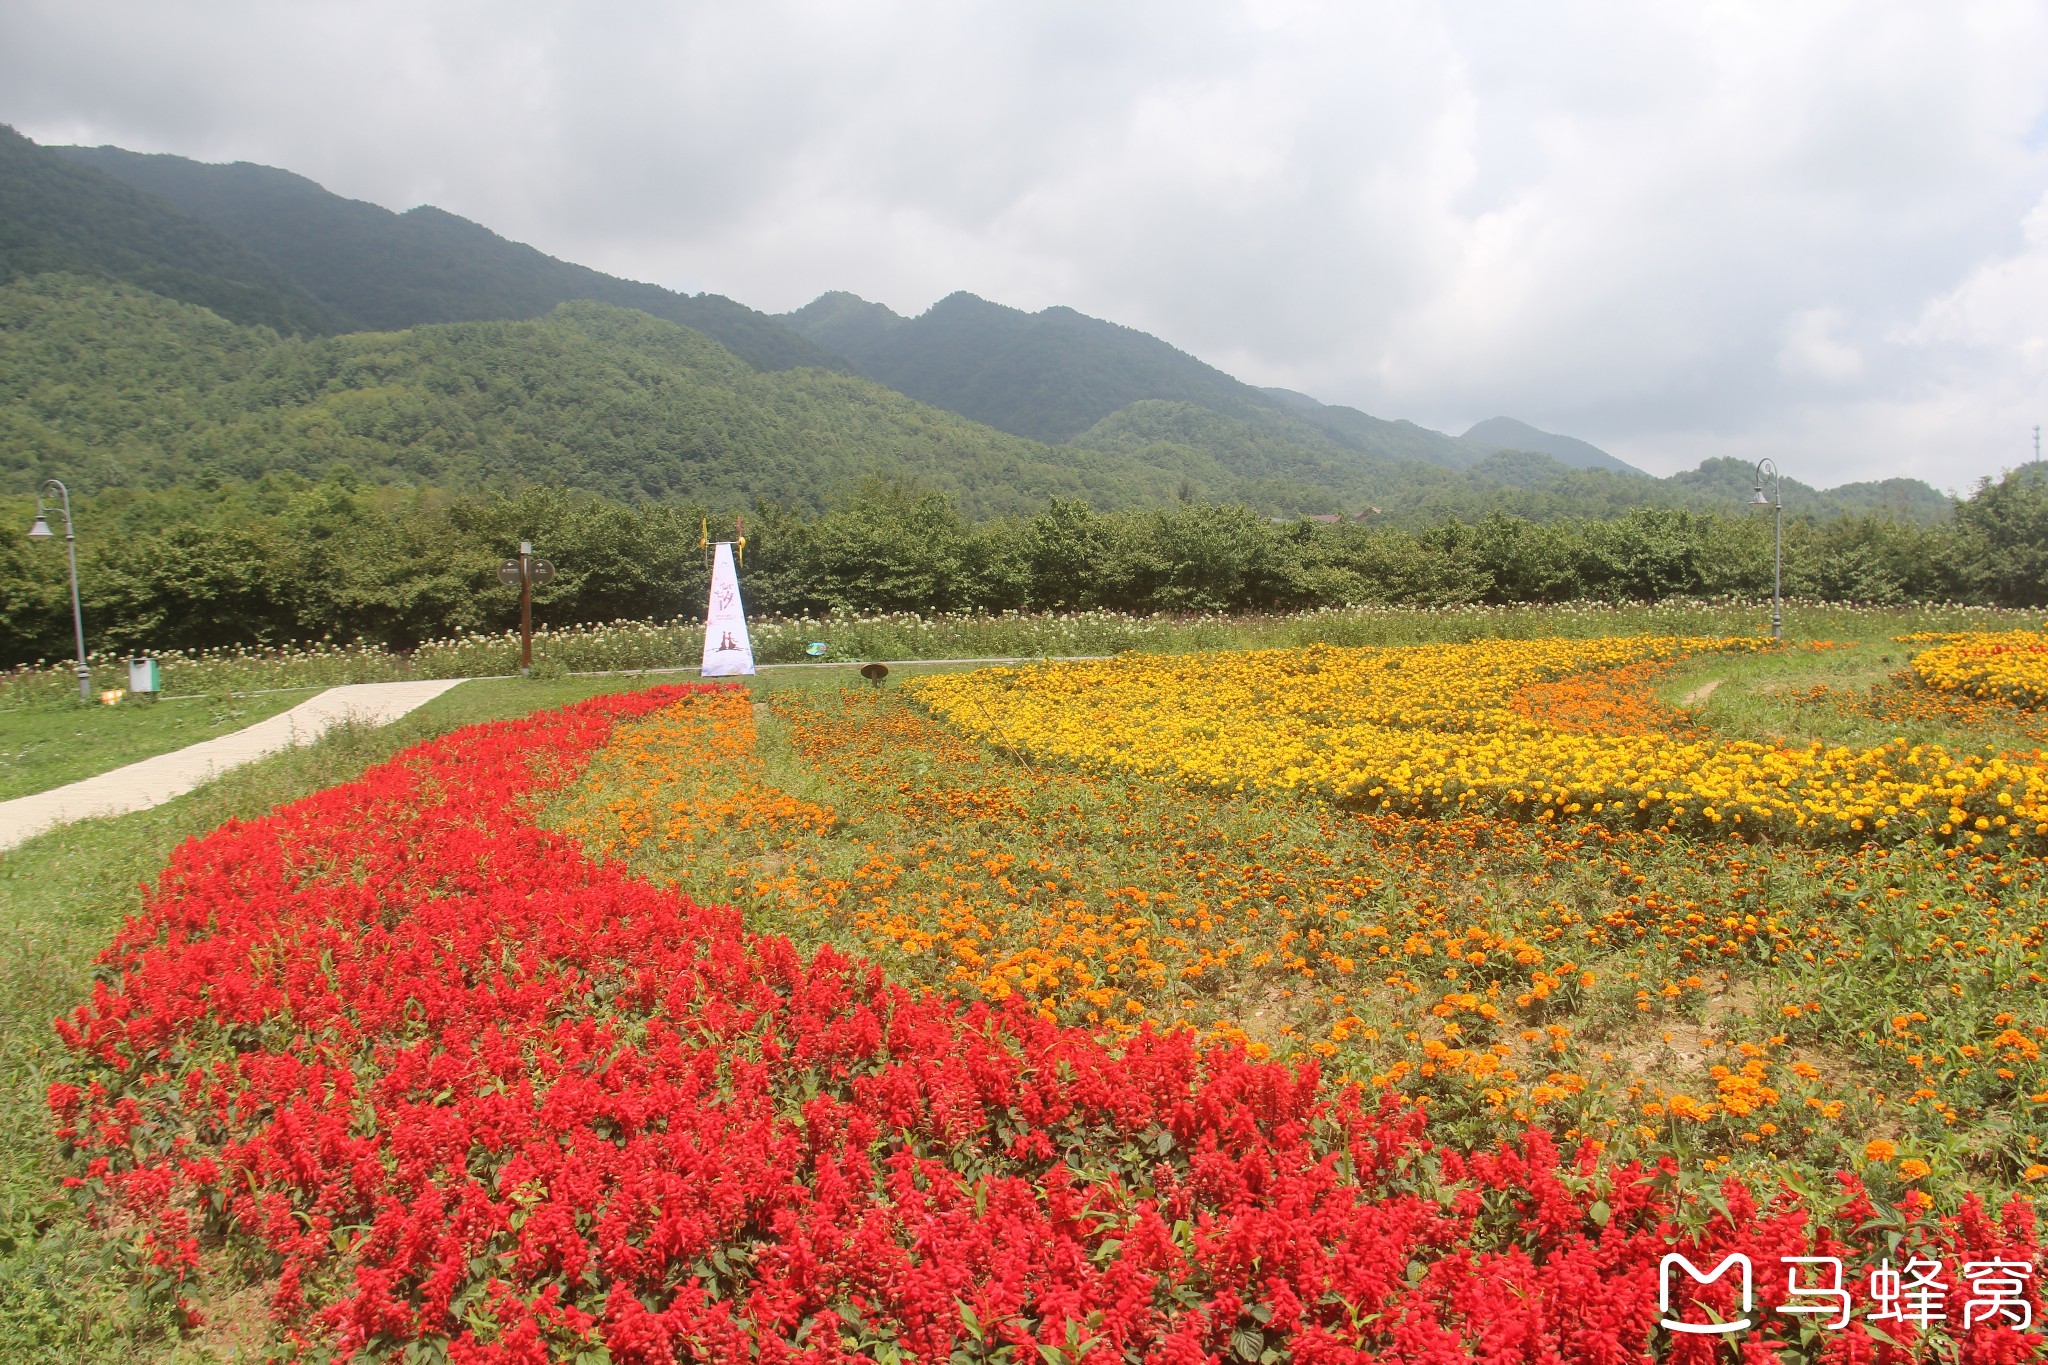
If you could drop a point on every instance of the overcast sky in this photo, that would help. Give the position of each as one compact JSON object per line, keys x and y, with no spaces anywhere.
{"x":1816,"y":231}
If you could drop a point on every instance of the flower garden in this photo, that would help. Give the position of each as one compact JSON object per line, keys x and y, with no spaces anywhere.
{"x":1313,"y":1004}
{"x":2009,"y":665}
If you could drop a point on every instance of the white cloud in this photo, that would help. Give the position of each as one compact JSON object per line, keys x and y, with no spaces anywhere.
{"x":1738,"y":229}
{"x":1813,"y":347}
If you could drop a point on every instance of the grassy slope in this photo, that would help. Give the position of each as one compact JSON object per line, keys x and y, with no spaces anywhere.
{"x":45,"y":747}
{"x":63,"y":1296}
{"x":1768,"y":696}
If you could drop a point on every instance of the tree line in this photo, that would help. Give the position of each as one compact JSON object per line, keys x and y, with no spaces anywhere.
{"x":285,"y":560}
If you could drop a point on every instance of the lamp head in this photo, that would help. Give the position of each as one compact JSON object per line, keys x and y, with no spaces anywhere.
{"x":39,"y":529}
{"x":1759,"y":500}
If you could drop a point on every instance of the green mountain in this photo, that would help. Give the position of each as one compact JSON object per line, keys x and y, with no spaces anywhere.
{"x":598,"y":398}
{"x":1398,"y":439}
{"x":59,"y":216}
{"x":1281,"y":462}
{"x":1722,"y":481}
{"x":1049,"y":375}
{"x":1056,"y":375}
{"x":1000,"y":407}
{"x":1061,"y":377}
{"x":1505,"y":433}
{"x":382,"y":271}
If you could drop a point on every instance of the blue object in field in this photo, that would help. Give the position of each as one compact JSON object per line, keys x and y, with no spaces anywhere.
{"x":816,"y":649}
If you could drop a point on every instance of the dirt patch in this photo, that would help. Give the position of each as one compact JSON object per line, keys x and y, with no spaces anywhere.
{"x":235,"y":1322}
{"x":1266,"y":1015}
{"x":1702,"y":692}
{"x":1671,"y":1050}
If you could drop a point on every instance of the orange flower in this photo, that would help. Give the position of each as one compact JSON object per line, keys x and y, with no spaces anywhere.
{"x":1880,"y":1149}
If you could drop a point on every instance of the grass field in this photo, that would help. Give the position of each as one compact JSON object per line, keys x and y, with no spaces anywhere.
{"x":904,"y":635}
{"x":49,"y":745}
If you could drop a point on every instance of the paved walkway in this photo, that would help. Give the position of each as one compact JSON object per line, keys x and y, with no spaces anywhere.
{"x":156,"y":780}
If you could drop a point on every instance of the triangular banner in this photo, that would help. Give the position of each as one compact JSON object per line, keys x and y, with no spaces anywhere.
{"x":727,"y":650}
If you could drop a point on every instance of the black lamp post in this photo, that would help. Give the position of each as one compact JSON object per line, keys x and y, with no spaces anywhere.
{"x":1768,"y":468}
{"x":39,"y":529}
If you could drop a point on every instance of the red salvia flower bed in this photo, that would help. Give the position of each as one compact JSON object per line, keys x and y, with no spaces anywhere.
{"x":464,"y":1087}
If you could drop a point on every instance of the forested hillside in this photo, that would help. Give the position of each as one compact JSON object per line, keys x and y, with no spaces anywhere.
{"x":114,"y":386}
{"x":1105,"y":412}
{"x":56,"y":216}
{"x":1718,"y":481}
{"x":185,"y":346}
{"x":1049,"y":375}
{"x":1059,"y":376}
{"x":1398,"y":439}
{"x":1505,"y":433}
{"x":382,"y":271}
{"x":1283,"y":462}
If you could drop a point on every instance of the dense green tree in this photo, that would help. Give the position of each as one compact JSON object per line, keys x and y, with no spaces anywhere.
{"x":2004,"y":532}
{"x":283,"y":558}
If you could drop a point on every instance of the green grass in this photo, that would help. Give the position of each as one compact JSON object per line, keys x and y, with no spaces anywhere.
{"x":64,"y":1291}
{"x":47,"y":746}
{"x":1770,"y":696}
{"x":658,"y":644}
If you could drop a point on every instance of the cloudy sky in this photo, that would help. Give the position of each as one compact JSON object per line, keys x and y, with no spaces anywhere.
{"x":1815,"y":231}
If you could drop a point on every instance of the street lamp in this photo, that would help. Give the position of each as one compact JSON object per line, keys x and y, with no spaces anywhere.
{"x":39,"y":529}
{"x":1768,"y":468}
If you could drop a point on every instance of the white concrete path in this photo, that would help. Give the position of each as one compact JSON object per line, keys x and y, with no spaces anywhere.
{"x":156,"y":780}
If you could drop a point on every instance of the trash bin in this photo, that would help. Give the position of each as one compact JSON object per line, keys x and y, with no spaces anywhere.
{"x":142,"y":677}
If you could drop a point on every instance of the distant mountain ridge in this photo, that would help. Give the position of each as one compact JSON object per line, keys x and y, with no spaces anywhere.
{"x":382,"y":271}
{"x":1048,"y":376}
{"x":1028,"y":405}
{"x":1062,"y":377}
{"x":1505,"y":433}
{"x":1055,"y":374}
{"x":55,"y":216}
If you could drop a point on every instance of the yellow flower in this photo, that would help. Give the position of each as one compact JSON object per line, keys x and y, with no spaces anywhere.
{"x":1912,"y":1168}
{"x":1514,"y":728}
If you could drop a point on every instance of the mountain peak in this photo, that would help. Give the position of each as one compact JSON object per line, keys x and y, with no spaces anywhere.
{"x":843,"y":322}
{"x":1505,"y":433}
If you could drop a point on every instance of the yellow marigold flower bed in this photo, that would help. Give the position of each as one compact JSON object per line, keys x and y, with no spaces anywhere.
{"x":1437,"y":729}
{"x":2008,"y":665}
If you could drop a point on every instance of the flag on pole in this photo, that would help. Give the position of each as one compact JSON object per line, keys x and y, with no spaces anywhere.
{"x":727,"y":650}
